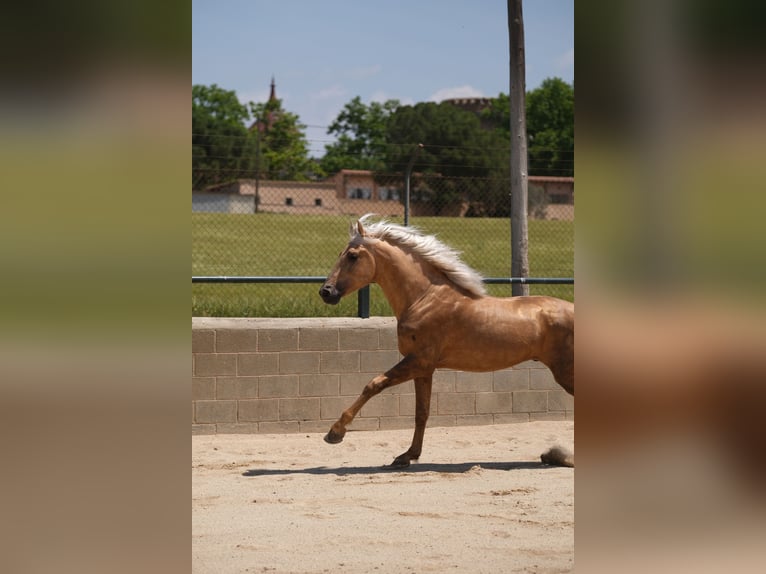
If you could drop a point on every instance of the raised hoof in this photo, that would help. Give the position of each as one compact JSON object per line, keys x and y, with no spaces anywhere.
{"x":333,"y":438}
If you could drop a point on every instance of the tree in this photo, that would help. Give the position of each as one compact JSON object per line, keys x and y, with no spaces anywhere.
{"x":284,"y":151}
{"x":455,"y":146}
{"x":362,"y":133}
{"x":550,"y":126}
{"x":222,"y":148}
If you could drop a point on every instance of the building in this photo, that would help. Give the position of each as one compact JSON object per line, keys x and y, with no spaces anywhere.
{"x":559,"y":190}
{"x":473,"y":105}
{"x":353,"y":192}
{"x":349,"y":192}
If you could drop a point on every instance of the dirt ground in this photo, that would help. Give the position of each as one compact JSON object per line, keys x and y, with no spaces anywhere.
{"x":479,"y":500}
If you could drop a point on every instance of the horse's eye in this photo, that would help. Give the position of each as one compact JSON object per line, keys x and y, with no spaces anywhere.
{"x":352,"y":256}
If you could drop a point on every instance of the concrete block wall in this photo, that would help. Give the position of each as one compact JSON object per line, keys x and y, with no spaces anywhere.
{"x":297,"y":375}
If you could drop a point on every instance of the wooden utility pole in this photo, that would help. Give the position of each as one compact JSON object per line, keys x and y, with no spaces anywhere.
{"x":519,"y":235}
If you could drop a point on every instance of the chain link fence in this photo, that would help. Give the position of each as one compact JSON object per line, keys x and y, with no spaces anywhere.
{"x":245,"y":226}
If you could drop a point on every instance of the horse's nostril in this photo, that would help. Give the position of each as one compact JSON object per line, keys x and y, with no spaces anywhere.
{"x":329,"y":294}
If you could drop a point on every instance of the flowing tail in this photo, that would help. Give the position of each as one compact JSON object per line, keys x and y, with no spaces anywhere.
{"x":558,"y":456}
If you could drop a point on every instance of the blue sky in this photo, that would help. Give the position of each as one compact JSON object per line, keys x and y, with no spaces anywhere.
{"x":322,"y":53}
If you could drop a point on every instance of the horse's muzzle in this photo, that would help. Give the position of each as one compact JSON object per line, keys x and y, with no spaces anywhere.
{"x":330,"y":294}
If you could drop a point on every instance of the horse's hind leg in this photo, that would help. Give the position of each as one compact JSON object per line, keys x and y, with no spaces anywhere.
{"x":563,"y":373}
{"x":422,"y":409}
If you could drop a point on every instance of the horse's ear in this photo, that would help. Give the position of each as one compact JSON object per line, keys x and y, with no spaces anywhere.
{"x":360,"y":228}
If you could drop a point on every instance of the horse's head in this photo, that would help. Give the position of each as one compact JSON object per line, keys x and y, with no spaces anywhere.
{"x":354,"y":269}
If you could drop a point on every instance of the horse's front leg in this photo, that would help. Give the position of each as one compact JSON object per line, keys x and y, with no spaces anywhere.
{"x":422,"y":409}
{"x":404,"y":370}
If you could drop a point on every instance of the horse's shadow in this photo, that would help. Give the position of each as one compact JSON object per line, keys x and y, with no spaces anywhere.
{"x":446,"y":468}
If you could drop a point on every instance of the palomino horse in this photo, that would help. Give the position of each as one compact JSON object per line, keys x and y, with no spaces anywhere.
{"x":445,"y":319}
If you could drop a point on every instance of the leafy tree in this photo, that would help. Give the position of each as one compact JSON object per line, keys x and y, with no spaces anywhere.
{"x":454,"y":142}
{"x":550,"y":126}
{"x":283,"y":145}
{"x":455,"y":146}
{"x":222,"y":148}
{"x":361,"y":132}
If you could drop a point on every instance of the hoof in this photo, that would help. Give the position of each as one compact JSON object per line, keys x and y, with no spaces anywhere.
{"x":333,"y":438}
{"x":401,"y":461}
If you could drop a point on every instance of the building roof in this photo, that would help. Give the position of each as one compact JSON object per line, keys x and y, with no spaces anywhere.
{"x":550,"y":179}
{"x":470,"y":104}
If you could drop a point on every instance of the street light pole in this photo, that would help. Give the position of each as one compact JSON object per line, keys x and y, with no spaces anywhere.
{"x":407,"y":175}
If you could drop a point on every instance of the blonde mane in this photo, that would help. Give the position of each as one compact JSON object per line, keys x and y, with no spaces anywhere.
{"x":428,"y":247}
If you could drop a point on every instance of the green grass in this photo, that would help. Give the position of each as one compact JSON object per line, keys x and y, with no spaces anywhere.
{"x":279,"y":244}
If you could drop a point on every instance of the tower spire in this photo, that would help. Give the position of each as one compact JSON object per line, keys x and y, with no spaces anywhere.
{"x":273,"y":94}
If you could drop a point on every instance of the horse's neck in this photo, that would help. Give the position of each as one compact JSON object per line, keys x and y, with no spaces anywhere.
{"x":403,"y":277}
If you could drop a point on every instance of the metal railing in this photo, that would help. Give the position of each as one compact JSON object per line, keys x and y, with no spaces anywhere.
{"x":363,"y":297}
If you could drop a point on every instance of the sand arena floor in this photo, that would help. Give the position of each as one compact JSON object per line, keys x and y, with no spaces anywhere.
{"x":479,"y":500}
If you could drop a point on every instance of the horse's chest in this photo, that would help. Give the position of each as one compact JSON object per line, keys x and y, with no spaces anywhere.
{"x":420,"y":337}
